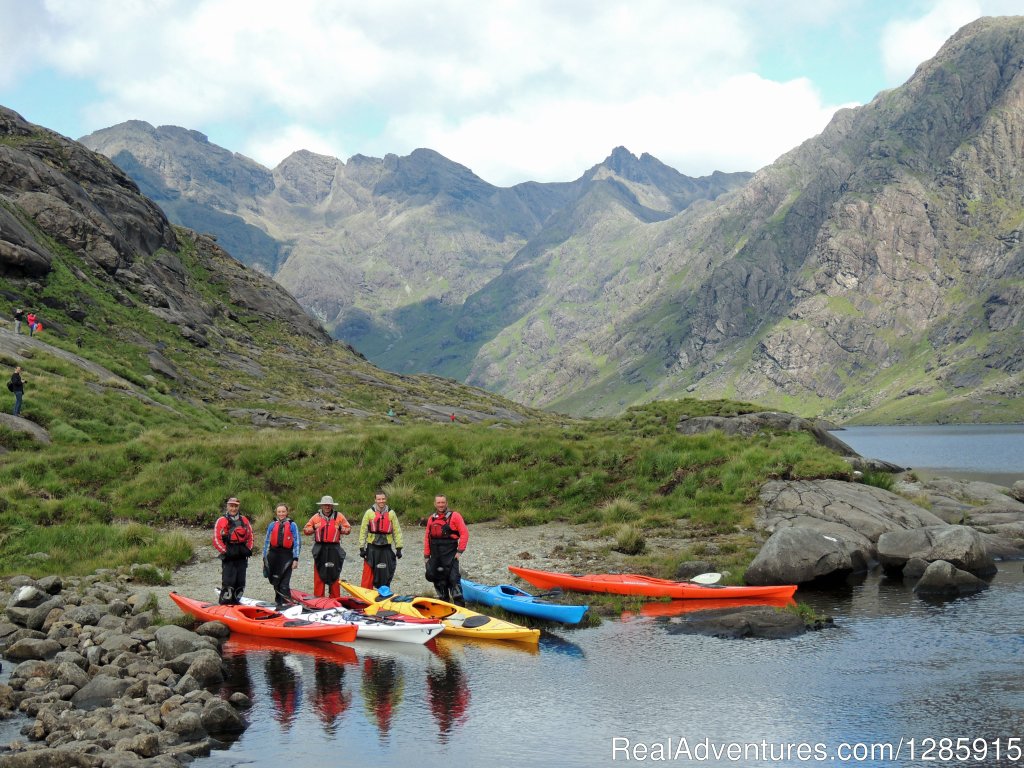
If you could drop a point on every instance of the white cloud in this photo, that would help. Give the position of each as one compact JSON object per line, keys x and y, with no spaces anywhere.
{"x":907,"y":43}
{"x":530,"y":89}
{"x":742,"y":123}
{"x":270,"y":148}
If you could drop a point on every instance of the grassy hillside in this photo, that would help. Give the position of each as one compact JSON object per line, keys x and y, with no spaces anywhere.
{"x":71,"y":508}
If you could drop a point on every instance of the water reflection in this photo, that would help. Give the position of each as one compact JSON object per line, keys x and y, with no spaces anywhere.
{"x":330,"y":699}
{"x":383,"y":686}
{"x":447,"y":693}
{"x":556,"y":644}
{"x":286,"y":690}
{"x":682,"y":607}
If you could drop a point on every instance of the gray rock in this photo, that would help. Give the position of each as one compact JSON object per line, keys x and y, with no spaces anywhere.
{"x":31,"y":648}
{"x":942,"y":579}
{"x":100,"y":692}
{"x":220,"y":717}
{"x":914,"y":568}
{"x":215,"y":629}
{"x":34,"y":668}
{"x":28,"y":596}
{"x":184,"y":722}
{"x":52,"y":758}
{"x":72,"y":674}
{"x":51,"y":584}
{"x":118,"y":643}
{"x":86,"y":615}
{"x":1017,"y":491}
{"x":173,"y":641}
{"x":956,"y":544}
{"x":143,"y":744}
{"x":745,"y":621}
{"x":36,"y":619}
{"x":206,"y":668}
{"x":800,"y":555}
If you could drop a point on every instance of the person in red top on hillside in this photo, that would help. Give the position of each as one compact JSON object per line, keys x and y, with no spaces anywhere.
{"x":233,"y":540}
{"x":445,"y":539}
{"x":327,"y":526}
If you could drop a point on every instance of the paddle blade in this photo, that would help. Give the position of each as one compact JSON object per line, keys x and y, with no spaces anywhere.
{"x":706,"y":578}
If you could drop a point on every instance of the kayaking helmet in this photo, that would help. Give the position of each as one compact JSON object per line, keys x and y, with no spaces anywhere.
{"x":384,"y":591}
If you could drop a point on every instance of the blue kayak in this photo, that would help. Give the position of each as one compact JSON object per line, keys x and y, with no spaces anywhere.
{"x":515,"y":600}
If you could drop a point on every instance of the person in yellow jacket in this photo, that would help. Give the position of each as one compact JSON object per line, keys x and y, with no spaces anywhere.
{"x":378,"y":532}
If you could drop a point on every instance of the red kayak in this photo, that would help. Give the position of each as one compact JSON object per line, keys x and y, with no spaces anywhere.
{"x":263,"y":622}
{"x":648,"y":586}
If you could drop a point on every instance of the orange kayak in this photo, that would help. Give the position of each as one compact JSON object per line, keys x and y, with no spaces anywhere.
{"x":648,"y":586}
{"x":263,"y":622}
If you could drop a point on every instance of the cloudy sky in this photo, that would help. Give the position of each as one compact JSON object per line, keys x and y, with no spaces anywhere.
{"x":514,"y":89}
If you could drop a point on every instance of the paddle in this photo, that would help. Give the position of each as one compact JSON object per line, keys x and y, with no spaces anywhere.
{"x":556,"y":592}
{"x":705,"y":578}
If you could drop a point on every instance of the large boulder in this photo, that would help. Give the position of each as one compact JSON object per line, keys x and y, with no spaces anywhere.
{"x":800,"y":555}
{"x":942,"y":579}
{"x":31,"y":648}
{"x":840,"y":524}
{"x":173,"y":641}
{"x":959,"y":545}
{"x":100,"y":691}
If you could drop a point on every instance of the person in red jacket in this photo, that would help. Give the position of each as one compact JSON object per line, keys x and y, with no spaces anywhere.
{"x":233,"y":540}
{"x":445,"y":539}
{"x":327,"y":526}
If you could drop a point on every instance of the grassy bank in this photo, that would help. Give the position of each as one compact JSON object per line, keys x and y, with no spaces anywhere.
{"x":71,"y":508}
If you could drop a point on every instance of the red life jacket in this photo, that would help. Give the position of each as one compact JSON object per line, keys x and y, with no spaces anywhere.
{"x":438,"y":526}
{"x":328,"y":532}
{"x":281,"y":534}
{"x":234,"y":532}
{"x":381,"y":522}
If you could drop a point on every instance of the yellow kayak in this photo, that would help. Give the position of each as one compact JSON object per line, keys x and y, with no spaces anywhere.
{"x":456,"y":619}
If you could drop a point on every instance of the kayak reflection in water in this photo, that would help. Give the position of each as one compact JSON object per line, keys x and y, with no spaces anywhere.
{"x":448,"y":692}
{"x":383,"y":686}
{"x":285,"y":688}
{"x":330,"y":700}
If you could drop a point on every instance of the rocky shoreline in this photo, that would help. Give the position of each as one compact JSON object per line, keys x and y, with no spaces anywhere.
{"x":101,"y":684}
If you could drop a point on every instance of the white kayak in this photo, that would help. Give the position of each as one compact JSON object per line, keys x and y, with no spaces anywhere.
{"x":367,"y":627}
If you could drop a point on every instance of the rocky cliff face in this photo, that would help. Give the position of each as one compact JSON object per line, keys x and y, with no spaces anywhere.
{"x":386,"y":251}
{"x":98,"y":261}
{"x":875,"y":267}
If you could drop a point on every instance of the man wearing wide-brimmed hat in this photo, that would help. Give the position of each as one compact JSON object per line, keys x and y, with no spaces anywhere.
{"x":327,"y":526}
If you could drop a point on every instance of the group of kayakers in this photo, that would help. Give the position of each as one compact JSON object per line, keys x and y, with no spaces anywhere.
{"x":380,"y":548}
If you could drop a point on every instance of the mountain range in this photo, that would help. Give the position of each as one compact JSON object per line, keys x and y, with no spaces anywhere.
{"x":138,"y":311}
{"x":874,"y":272}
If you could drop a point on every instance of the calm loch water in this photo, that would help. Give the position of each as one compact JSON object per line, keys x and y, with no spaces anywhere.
{"x":893,"y":667}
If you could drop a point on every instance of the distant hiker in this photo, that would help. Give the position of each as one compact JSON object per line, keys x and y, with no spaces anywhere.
{"x":453,"y":418}
{"x":445,"y":539}
{"x":78,"y":342}
{"x":327,"y":526}
{"x":377,"y":533}
{"x":281,"y":554}
{"x":31,"y":323}
{"x":391,"y":413}
{"x":19,"y":315}
{"x":233,"y":540}
{"x":17,"y":386}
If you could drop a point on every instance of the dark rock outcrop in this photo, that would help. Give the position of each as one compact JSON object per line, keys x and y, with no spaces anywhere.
{"x":942,"y":580}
